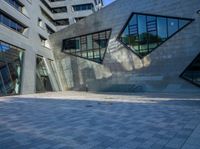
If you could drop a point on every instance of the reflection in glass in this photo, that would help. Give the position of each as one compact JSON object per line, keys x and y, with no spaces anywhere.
{"x":144,"y":33}
{"x":55,"y":75}
{"x":11,"y":59}
{"x":192,"y":73}
{"x":172,"y":26}
{"x":162,"y":28}
{"x":43,"y":83}
{"x":91,"y":46}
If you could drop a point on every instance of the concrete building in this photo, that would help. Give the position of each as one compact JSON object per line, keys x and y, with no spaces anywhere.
{"x":26,"y":57}
{"x":132,"y":46}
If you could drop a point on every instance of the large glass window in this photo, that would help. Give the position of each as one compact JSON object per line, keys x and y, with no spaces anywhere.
{"x":92,"y":46}
{"x":143,"y":33}
{"x":11,"y":60}
{"x":43,"y":82}
{"x":192,"y":72}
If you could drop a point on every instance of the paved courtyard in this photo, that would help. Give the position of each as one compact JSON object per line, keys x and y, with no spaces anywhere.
{"x":100,"y":121}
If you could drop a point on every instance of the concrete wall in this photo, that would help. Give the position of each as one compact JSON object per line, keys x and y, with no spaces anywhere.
{"x":122,"y":70}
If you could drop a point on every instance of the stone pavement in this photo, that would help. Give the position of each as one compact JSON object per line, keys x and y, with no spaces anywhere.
{"x":94,"y":121}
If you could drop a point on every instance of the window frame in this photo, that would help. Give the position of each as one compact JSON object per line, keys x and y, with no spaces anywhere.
{"x":153,"y":15}
{"x":85,"y":35}
{"x":22,"y":65}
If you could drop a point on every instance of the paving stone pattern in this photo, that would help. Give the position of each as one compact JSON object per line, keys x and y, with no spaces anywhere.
{"x":28,"y":123}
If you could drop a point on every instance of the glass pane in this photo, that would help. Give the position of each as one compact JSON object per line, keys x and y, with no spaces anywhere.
{"x":172,"y":26}
{"x":89,"y":42}
{"x":7,"y":80}
{"x":182,"y":23}
{"x":142,"y":29}
{"x":96,"y":41}
{"x":2,"y":88}
{"x":124,"y":36}
{"x":83,"y":44}
{"x":162,"y":29}
{"x":42,"y":78}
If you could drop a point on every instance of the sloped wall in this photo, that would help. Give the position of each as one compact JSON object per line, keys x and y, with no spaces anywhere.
{"x":122,"y":70}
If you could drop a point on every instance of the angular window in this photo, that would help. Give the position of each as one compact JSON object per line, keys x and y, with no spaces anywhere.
{"x":43,"y":83}
{"x":92,"y":46}
{"x":192,"y":72}
{"x":143,"y":33}
{"x":11,"y":61}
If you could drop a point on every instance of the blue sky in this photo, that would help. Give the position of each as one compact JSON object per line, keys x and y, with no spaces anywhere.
{"x":106,"y":2}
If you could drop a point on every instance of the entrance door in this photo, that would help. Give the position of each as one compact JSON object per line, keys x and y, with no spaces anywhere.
{"x":43,"y":82}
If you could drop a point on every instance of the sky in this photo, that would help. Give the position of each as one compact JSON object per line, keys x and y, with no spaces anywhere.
{"x":106,"y":2}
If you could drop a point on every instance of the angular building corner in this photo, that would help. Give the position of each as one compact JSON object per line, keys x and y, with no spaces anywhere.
{"x":150,"y":46}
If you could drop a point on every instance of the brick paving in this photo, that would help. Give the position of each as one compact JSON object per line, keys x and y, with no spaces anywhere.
{"x":58,"y":121}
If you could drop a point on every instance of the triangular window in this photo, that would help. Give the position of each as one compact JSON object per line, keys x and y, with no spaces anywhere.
{"x":91,"y":46}
{"x":143,"y":33}
{"x":192,"y":72}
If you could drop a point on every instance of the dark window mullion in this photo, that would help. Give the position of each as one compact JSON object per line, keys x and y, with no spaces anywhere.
{"x":138,"y":34}
{"x":167,"y":27}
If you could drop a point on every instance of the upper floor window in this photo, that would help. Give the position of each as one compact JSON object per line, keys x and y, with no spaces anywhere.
{"x":82,"y":7}
{"x":54,"y":10}
{"x":46,"y":4}
{"x":49,"y":29}
{"x":11,"y":23}
{"x":61,"y":22}
{"x":47,"y":16}
{"x":59,"y":9}
{"x":16,"y":4}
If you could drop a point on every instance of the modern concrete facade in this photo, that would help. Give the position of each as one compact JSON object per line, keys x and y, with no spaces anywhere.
{"x":38,"y":22}
{"x":122,"y":69}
